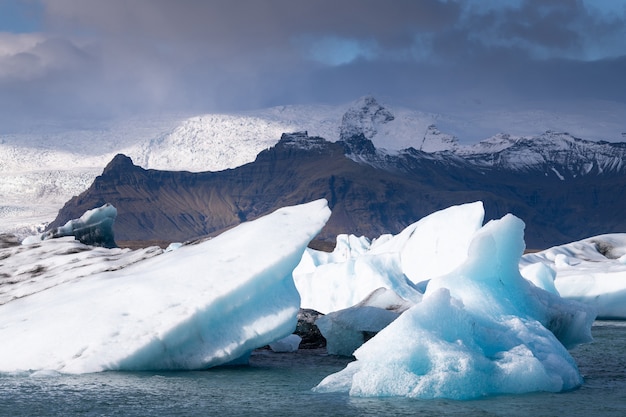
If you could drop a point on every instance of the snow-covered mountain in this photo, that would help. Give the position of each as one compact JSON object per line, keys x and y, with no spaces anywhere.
{"x":43,"y":168}
{"x":555,"y":153}
{"x":436,"y":141}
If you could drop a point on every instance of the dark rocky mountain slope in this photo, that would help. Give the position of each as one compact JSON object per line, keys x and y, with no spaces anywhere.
{"x":370,"y":193}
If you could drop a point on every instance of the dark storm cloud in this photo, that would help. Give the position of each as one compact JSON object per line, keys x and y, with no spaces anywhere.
{"x":95,"y":57}
{"x":245,"y":19}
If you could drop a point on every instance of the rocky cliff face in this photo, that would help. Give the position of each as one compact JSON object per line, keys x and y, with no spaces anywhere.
{"x":369,"y":191}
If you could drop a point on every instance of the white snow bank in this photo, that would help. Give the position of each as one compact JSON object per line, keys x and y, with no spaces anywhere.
{"x":199,"y":306}
{"x":479,"y":330}
{"x":592,"y":271}
{"x":433,"y":246}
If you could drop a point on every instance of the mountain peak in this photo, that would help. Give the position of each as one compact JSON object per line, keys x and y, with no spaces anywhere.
{"x":301,"y":140}
{"x":552,"y":153}
{"x":364,"y":117}
{"x":435,"y":141}
{"x":119,"y":162}
{"x":359,"y":145}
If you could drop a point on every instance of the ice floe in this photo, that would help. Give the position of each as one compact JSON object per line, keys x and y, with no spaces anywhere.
{"x":199,"y":306}
{"x":479,"y":330}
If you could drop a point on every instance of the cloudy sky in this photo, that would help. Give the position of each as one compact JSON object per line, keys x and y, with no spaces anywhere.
{"x":71,"y":60}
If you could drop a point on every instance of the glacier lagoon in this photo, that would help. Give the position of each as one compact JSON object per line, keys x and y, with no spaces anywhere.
{"x":279,"y":384}
{"x":398,"y":243}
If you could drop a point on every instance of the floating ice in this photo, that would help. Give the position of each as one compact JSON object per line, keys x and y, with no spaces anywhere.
{"x":428,"y":248}
{"x":479,"y":330}
{"x":286,"y":344}
{"x":335,"y":286}
{"x":436,"y":244}
{"x":94,"y":227}
{"x":199,"y":306}
{"x":592,"y":271}
{"x":346,"y":330}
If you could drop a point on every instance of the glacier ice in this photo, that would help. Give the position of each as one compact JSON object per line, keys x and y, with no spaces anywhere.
{"x":202,"y":305}
{"x":470,"y":325}
{"x":94,"y":227}
{"x":430,"y":247}
{"x":30,"y":269}
{"x":345,"y":330}
{"x":541,"y":275}
{"x":437,"y":243}
{"x":592,"y":271}
{"x":289,"y":343}
{"x":479,"y":330}
{"x":338,"y":285}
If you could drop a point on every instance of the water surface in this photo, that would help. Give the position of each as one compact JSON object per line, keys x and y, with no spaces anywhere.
{"x":280,"y":385}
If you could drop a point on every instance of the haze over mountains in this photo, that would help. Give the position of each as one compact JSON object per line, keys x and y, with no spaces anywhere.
{"x":368,"y":133}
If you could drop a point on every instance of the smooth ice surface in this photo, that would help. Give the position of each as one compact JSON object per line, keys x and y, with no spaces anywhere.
{"x":430,"y":247}
{"x":479,"y":330}
{"x":592,"y":271}
{"x":201,"y":305}
{"x":436,"y":244}
{"x":94,"y":227}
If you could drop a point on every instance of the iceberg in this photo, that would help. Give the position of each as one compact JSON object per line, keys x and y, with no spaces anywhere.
{"x":481,"y":329}
{"x":592,"y":271}
{"x":430,"y":247}
{"x":345,"y":330}
{"x":339,"y":285}
{"x":437,"y":243}
{"x":94,"y":227}
{"x":286,"y":344}
{"x":202,"y":305}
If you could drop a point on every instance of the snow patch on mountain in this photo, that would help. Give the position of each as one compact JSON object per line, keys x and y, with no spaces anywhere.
{"x":387,"y":127}
{"x":215,"y":142}
{"x":436,"y":141}
{"x":364,"y":117}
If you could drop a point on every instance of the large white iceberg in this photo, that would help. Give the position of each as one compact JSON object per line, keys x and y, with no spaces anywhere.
{"x":592,"y":271}
{"x":480,"y":330}
{"x":437,"y":243}
{"x":430,"y":247}
{"x":199,"y":306}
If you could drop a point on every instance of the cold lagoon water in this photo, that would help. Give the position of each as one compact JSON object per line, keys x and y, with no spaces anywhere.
{"x":483,"y":314}
{"x":279,"y":384}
